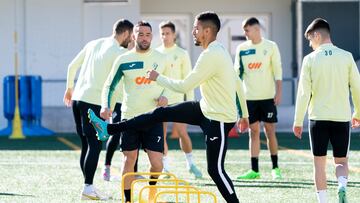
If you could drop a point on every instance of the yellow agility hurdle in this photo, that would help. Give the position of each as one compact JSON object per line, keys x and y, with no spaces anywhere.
{"x":172,"y":178}
{"x":176,"y":187}
{"x":199,"y":193}
{"x":178,"y":182}
{"x":180,"y":187}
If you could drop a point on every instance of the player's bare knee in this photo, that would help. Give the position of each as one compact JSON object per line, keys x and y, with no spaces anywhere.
{"x":156,"y":167}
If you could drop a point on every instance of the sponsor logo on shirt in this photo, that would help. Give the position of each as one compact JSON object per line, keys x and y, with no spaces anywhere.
{"x":256,"y":65}
{"x":142,"y":80}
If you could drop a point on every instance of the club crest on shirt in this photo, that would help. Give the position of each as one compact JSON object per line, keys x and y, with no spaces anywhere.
{"x":175,"y":57}
{"x":265,"y":52}
{"x":155,"y":65}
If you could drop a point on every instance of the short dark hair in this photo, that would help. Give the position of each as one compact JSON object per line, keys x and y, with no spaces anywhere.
{"x":168,"y":24}
{"x":143,"y":23}
{"x":251,"y":21}
{"x":122,"y":26}
{"x":316,"y":25}
{"x":211,"y":18}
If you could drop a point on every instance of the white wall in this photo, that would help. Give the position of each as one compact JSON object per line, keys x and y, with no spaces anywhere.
{"x":50,"y":34}
{"x":278,"y":10}
{"x":6,"y":47}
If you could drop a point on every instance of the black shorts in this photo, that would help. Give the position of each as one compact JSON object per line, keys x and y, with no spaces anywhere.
{"x":262,"y":110}
{"x":338,"y":133}
{"x":151,"y":138}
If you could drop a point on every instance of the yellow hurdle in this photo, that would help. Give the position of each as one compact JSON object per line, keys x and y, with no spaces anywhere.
{"x":172,"y":179}
{"x":178,"y":182}
{"x":180,"y":187}
{"x":176,"y":187}
{"x":199,"y":193}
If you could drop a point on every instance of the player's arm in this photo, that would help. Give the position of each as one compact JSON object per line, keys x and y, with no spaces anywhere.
{"x":243,"y":122}
{"x":203,"y":70}
{"x":162,"y":100}
{"x":303,"y":97}
{"x":185,"y":70}
{"x":354,"y":79}
{"x":277,"y":70}
{"x":117,"y":94}
{"x":109,"y":88}
{"x":73,"y":67}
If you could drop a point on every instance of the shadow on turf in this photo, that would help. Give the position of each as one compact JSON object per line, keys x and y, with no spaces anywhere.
{"x":13,"y":194}
{"x":281,"y":184}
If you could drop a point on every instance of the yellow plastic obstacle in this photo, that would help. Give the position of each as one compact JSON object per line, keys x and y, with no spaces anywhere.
{"x":199,"y":193}
{"x":178,"y":187}
{"x":171,"y":179}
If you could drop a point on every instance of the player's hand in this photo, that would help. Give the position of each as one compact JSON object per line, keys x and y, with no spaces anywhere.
{"x":105,"y":113}
{"x":161,"y":101}
{"x":277,"y":98}
{"x":297,"y":131}
{"x":355,"y":123}
{"x":152,"y":75}
{"x":243,"y":124}
{"x":67,"y":97}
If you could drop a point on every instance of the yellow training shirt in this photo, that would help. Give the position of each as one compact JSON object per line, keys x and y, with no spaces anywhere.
{"x":95,"y":61}
{"x":218,"y":84}
{"x":179,"y":68}
{"x":328,"y":75}
{"x":259,"y":67}
{"x":139,"y":93}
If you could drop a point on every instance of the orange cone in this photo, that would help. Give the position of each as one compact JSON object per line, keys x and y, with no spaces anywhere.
{"x":233,"y":132}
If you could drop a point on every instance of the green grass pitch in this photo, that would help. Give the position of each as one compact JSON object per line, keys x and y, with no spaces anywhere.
{"x":46,"y":169}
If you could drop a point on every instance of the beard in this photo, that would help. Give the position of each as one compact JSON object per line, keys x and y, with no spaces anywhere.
{"x":126,"y":42}
{"x":196,"y":42}
{"x":143,"y":47}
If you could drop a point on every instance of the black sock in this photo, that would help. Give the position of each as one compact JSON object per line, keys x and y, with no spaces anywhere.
{"x":153,"y":182}
{"x":127,"y":195}
{"x":255,"y":164}
{"x":136,"y":163}
{"x":274,"y":160}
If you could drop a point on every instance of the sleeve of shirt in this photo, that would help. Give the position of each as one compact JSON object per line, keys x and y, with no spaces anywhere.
{"x":276,"y":63}
{"x":237,"y":61}
{"x":241,"y":98}
{"x":355,"y":88}
{"x":118,"y":93}
{"x":165,"y":70}
{"x":185,"y":70}
{"x":73,"y":67}
{"x":203,"y":70}
{"x":110,"y":85}
{"x":303,"y":93}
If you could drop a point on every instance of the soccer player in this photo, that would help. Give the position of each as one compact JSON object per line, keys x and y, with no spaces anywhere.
{"x":113,"y":142}
{"x":141,"y":95}
{"x":95,"y":61}
{"x":328,"y":76}
{"x":180,"y":67}
{"x":216,"y":113}
{"x":259,"y":65}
